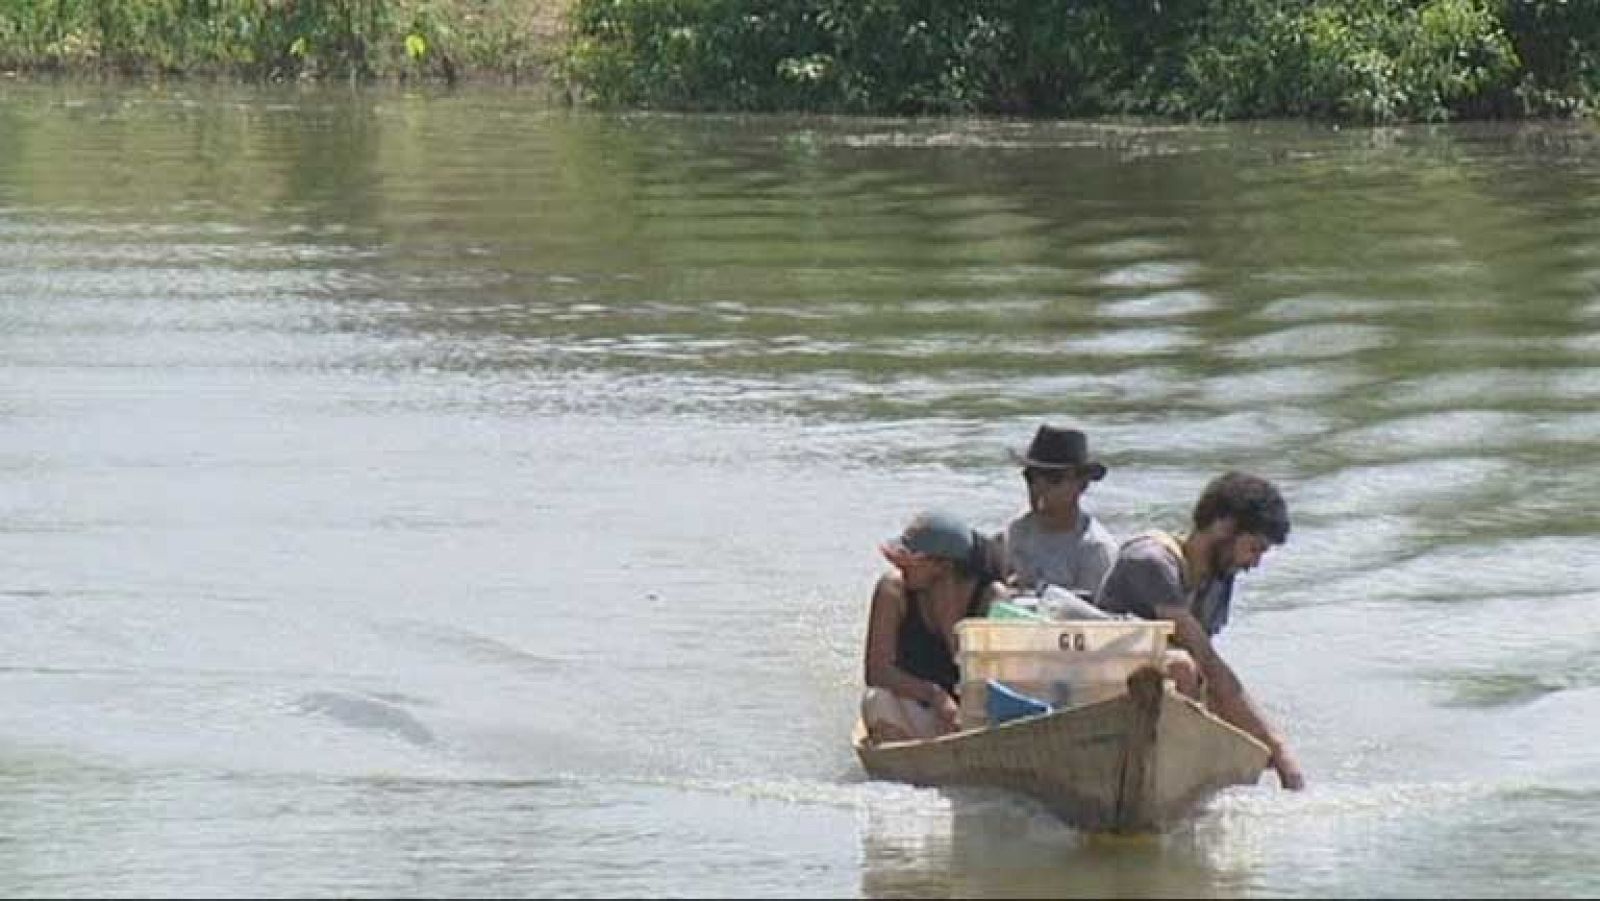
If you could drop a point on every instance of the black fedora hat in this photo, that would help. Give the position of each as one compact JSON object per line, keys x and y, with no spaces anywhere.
{"x":1056,"y":448}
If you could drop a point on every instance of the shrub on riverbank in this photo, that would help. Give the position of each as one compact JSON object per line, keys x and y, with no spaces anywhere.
{"x":1361,"y":60}
{"x":279,"y":39}
{"x":1356,"y":60}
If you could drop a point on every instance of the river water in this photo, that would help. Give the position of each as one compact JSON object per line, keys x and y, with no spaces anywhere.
{"x":413,"y":494}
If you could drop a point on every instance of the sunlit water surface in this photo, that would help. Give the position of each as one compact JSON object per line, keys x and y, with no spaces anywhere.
{"x":444,"y":495}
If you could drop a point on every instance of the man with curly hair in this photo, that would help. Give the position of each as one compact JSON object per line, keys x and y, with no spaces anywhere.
{"x":1189,"y":580}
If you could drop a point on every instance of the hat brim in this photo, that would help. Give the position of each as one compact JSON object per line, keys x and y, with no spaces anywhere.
{"x":899,"y":554}
{"x":1094,"y":469}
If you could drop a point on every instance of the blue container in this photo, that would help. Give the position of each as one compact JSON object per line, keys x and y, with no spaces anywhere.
{"x":1002,"y":703}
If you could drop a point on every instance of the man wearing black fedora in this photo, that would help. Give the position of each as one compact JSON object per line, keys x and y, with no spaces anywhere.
{"x":1055,"y":541}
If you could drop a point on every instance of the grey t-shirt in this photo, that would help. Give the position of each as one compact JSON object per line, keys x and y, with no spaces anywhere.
{"x":1147,"y":574}
{"x":1075,"y":560}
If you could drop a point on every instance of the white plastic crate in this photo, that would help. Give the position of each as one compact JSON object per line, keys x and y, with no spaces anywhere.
{"x":977,"y":635}
{"x":1062,"y":663}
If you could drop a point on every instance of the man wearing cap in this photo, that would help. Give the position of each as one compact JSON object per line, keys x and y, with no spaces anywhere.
{"x":1055,"y":541}
{"x":1190,"y":581}
{"x":939,"y":577}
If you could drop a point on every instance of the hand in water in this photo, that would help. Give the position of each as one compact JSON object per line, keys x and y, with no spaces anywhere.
{"x":1289,"y":775}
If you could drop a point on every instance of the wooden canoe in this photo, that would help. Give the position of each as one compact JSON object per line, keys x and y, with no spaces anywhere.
{"x":1138,"y":762}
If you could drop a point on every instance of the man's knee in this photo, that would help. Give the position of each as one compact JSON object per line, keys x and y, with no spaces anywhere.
{"x":890,"y":717}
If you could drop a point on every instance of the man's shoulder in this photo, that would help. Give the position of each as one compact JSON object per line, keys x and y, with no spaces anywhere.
{"x":1149,"y":547}
{"x":891,"y":583}
{"x":1144,"y":577}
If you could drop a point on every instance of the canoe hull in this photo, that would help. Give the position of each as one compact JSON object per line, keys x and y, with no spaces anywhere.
{"x":1139,"y":762}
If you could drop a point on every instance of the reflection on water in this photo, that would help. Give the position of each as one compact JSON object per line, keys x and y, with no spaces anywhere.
{"x":1244,"y":844}
{"x":979,"y":844}
{"x":481,"y":499}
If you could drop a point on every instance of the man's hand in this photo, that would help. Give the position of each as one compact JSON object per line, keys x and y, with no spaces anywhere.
{"x":1289,"y":775}
{"x":946,"y":711}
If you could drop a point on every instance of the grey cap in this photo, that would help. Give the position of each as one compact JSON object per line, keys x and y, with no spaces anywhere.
{"x":937,"y":534}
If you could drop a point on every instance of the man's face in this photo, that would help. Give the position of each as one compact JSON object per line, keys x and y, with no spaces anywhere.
{"x":921,"y":571}
{"x":1052,"y":489}
{"x":1241,"y":552}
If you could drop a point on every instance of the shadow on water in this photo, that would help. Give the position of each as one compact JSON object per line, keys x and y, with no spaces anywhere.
{"x":366,"y":712}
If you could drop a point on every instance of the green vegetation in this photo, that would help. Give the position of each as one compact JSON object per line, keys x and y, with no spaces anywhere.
{"x":278,"y":39}
{"x":1351,"y":60}
{"x":1354,"y":60}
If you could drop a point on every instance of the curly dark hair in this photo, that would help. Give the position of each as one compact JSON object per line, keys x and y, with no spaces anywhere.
{"x":1252,"y":502}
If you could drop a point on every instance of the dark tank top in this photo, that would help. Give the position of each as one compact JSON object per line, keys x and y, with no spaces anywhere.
{"x":922,"y":652}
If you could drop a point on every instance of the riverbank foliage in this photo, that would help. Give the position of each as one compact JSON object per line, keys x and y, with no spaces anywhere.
{"x":1352,"y":60}
{"x":1349,"y":60}
{"x":279,"y":39}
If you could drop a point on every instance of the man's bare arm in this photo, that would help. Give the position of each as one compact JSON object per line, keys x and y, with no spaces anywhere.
{"x":889,"y":607}
{"x":1226,"y":694}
